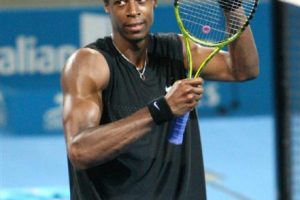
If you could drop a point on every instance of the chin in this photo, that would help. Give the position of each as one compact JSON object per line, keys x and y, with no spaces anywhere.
{"x":138,"y":36}
{"x":137,"y":39}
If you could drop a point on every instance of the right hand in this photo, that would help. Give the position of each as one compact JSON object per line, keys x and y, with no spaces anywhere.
{"x":230,"y":5}
{"x":184,"y":95}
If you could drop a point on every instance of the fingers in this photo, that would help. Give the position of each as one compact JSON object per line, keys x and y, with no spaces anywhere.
{"x":193,"y":82}
{"x":193,"y":101}
{"x":185,"y":95}
{"x":193,"y":88}
{"x":194,"y":98}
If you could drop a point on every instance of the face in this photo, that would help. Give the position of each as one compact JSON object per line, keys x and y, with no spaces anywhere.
{"x":131,"y":19}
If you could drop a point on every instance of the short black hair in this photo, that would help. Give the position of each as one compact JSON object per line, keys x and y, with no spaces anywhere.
{"x":105,"y":2}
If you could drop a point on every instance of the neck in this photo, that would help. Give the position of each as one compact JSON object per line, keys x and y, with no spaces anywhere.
{"x":134,"y":52}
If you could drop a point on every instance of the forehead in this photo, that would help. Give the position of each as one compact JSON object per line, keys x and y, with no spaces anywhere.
{"x":145,"y":2}
{"x":109,"y":1}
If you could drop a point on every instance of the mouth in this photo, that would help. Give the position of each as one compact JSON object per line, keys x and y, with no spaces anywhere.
{"x":134,"y":27}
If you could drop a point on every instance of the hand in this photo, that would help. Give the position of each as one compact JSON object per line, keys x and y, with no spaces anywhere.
{"x":230,"y":5}
{"x":184,"y":95}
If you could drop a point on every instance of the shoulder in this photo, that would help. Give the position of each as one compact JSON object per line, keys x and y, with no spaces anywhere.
{"x":166,"y":43}
{"x":166,"y":37}
{"x":87,"y":65}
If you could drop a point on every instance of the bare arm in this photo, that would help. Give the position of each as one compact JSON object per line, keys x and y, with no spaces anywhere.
{"x":239,"y":64}
{"x":84,"y":77}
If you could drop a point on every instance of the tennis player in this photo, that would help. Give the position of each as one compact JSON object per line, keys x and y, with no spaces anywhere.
{"x":119,"y":106}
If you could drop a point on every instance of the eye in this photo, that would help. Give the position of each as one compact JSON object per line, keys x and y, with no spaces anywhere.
{"x":141,"y":1}
{"x":120,"y":2}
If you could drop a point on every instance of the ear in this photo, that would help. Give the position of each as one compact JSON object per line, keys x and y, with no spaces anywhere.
{"x":106,"y":8}
{"x":155,"y":3}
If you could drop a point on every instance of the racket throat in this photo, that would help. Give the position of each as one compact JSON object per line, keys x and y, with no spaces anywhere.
{"x":206,"y":61}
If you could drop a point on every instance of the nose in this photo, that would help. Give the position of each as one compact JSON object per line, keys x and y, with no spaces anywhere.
{"x":133,"y":9}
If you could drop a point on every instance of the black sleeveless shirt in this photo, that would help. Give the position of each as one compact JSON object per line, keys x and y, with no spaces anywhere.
{"x":151,"y":168}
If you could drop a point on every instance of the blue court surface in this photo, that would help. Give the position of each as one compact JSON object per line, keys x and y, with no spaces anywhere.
{"x":239,"y":156}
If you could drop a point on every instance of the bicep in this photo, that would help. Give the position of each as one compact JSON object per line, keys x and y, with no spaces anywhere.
{"x":83,"y":79}
{"x":80,"y":113}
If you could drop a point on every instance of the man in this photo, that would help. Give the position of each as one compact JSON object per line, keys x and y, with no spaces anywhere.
{"x":118,"y":114}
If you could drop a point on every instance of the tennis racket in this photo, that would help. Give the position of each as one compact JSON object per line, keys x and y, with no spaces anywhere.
{"x":211,"y":23}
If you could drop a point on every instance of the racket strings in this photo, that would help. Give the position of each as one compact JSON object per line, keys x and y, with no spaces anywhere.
{"x":247,"y":5}
{"x":214,"y":7}
{"x":210,"y":18}
{"x":205,"y":19}
{"x":212,"y":22}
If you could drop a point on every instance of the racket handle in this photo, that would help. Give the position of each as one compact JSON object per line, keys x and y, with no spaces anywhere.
{"x":177,"y":129}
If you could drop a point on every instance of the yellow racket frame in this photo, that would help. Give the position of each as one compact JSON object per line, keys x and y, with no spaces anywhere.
{"x":218,"y":46}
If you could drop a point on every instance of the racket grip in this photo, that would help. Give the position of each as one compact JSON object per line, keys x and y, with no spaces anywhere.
{"x":177,"y":129}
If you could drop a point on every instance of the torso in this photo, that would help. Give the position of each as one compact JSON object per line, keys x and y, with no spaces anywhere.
{"x":151,"y":168}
